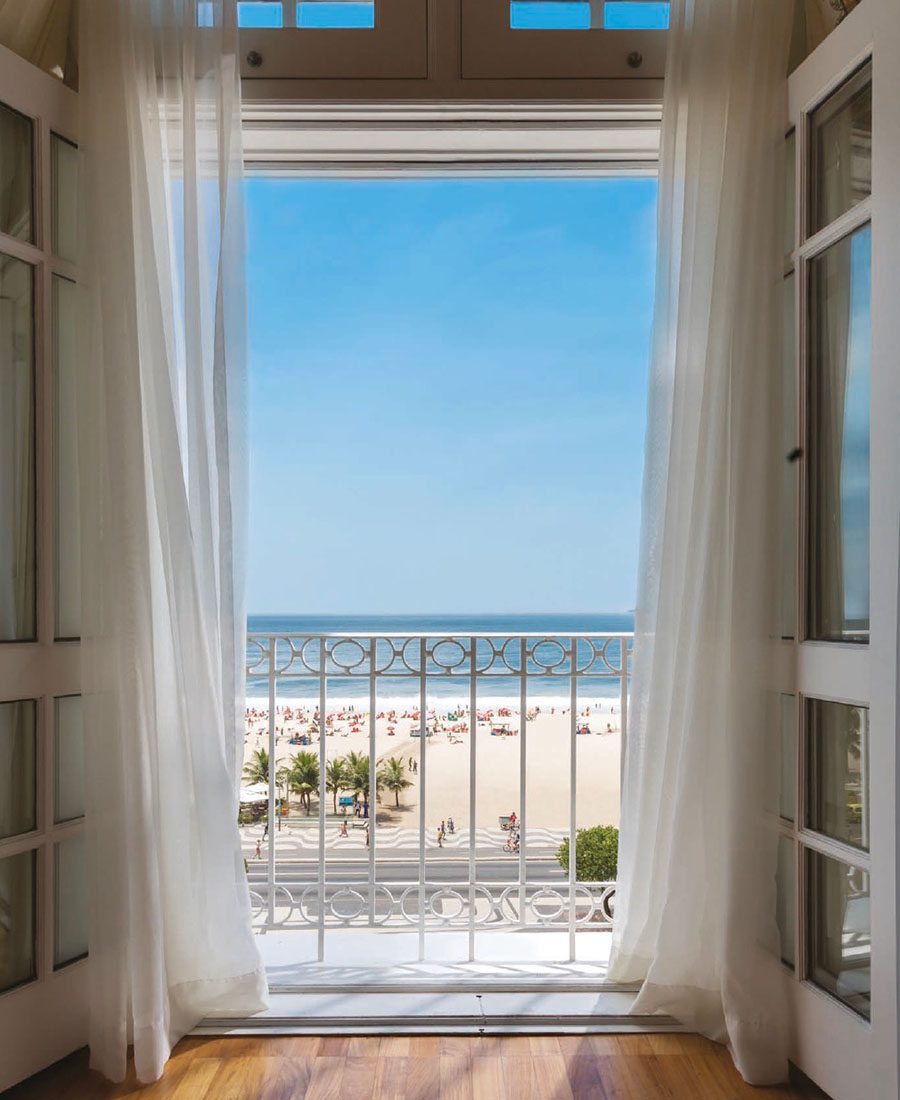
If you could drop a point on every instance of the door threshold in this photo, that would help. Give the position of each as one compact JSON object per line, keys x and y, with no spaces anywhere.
{"x":440,"y":1012}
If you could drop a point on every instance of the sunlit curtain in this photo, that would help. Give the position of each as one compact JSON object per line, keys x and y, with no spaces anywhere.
{"x":695,"y":908}
{"x":162,"y":473}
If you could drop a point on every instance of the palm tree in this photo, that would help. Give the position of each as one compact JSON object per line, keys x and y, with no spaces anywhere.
{"x":392,"y":775}
{"x":357,"y":774}
{"x":256,"y":770}
{"x":304,"y":777}
{"x":336,"y":778}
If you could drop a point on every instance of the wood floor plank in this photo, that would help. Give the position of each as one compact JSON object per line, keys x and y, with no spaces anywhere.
{"x":334,"y":1046}
{"x":358,"y":1079}
{"x":664,"y":1066}
{"x":573,"y":1046}
{"x":614,"y":1077}
{"x":459,"y":1046}
{"x":390,"y":1076}
{"x":518,"y":1076}
{"x":584,"y":1077}
{"x":456,"y":1076}
{"x":551,"y":1076}
{"x":487,"y":1078}
{"x":324,"y":1079}
{"x":544,"y":1044}
{"x":423,"y":1079}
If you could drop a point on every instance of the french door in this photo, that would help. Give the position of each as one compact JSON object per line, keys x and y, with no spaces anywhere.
{"x":837,"y":880}
{"x":43,"y":926}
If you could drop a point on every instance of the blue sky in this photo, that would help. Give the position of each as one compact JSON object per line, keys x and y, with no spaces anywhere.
{"x":447,"y":393}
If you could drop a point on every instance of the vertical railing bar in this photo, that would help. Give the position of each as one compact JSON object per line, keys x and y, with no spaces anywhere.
{"x":270,"y":860}
{"x":323,"y":700}
{"x":473,"y":727}
{"x":523,"y":778}
{"x":423,"y":737}
{"x":289,"y":13}
{"x":373,"y":779}
{"x":597,"y":14}
{"x":573,"y":777}
{"x":623,"y":716}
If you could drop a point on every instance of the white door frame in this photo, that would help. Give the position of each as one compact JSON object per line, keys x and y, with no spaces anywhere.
{"x":46,"y":1018}
{"x":848,"y":1056}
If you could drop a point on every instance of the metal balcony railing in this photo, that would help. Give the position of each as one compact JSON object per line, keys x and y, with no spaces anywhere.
{"x":326,"y":870}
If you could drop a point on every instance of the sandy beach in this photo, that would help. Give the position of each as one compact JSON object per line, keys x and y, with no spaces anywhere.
{"x":547,"y":739}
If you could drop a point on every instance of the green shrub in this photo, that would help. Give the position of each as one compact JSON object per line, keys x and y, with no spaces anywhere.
{"x":596,"y":854}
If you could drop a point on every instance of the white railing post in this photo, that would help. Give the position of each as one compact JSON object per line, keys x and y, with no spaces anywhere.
{"x":573,"y":801}
{"x":423,"y":737}
{"x":373,"y":776}
{"x":523,"y":777}
{"x":323,"y":703}
{"x":473,"y":786}
{"x":623,"y":715}
{"x":270,"y":853}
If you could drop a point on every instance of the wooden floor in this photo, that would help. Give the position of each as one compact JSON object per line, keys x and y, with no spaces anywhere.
{"x":546,"y":1067}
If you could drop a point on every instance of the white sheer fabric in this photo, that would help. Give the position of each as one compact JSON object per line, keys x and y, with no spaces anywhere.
{"x":161,"y":454}
{"x":695,"y":908}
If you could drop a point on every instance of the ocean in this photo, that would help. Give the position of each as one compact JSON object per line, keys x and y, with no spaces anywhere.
{"x":544,"y":690}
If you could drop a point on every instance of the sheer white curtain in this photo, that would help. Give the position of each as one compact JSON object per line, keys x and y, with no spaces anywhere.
{"x":695,"y":908}
{"x":162,"y":472}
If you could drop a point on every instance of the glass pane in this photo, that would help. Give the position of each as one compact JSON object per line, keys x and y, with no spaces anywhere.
{"x":790,"y":193}
{"x":70,"y":940}
{"x":69,"y":766}
{"x":16,"y":182}
{"x":787,"y":803}
{"x":17,"y":493}
{"x":839,"y":362}
{"x":64,"y":197}
{"x":259,"y":13}
{"x":789,"y":486}
{"x":17,"y":919}
{"x":841,"y":144}
{"x":838,"y":932}
{"x":68,"y":532}
{"x":837,"y":782}
{"x":635,"y":15}
{"x":785,"y":885}
{"x":549,"y":15}
{"x":341,"y":14}
{"x":18,"y":803}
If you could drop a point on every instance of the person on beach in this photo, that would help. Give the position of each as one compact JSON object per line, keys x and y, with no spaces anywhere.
{"x":342,"y":831}
{"x":451,"y":825}
{"x":440,"y":836}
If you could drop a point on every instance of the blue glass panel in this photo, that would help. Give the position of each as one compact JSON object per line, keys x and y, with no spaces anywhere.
{"x":259,"y":13}
{"x":632,"y":15}
{"x":341,"y":14}
{"x":549,"y":15}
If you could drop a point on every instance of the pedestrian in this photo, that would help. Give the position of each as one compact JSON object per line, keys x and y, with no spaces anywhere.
{"x":440,"y":839}
{"x":266,"y":831}
{"x":259,"y":849}
{"x":367,"y":834}
{"x":451,"y":825}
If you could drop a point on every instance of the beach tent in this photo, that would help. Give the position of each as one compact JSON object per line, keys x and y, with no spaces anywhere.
{"x":256,"y":792}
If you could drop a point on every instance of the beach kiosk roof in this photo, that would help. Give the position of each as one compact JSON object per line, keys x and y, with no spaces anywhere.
{"x":256,"y":792}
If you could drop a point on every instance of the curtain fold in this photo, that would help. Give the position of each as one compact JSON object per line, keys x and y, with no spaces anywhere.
{"x":162,"y":462}
{"x":695,"y":907}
